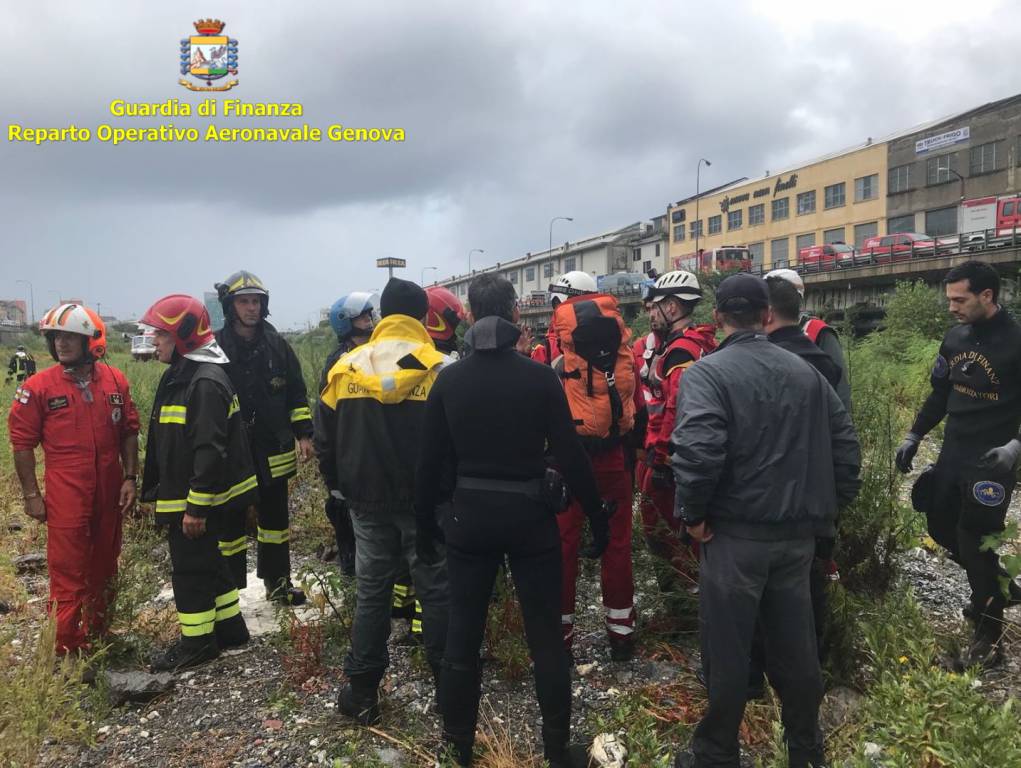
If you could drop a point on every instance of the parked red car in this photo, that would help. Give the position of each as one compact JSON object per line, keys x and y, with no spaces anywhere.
{"x":821,"y":258}
{"x":1008,"y":216}
{"x":899,"y":246}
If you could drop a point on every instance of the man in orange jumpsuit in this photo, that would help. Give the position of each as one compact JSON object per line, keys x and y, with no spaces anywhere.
{"x":80,"y":411}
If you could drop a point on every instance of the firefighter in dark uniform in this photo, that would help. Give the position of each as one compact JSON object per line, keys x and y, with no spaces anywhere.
{"x":352,"y":318}
{"x":976,"y":384}
{"x":198,"y":470}
{"x":21,"y":365}
{"x":274,"y":403}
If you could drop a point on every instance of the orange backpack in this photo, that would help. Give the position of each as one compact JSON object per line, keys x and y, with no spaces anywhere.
{"x":596,"y":366}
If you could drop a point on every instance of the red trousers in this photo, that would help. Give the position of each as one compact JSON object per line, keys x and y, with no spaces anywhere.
{"x":82,"y":552}
{"x":614,"y":482}
{"x":662,"y":530}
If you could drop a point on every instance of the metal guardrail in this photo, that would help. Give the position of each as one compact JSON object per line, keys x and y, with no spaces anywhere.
{"x":952,"y":245}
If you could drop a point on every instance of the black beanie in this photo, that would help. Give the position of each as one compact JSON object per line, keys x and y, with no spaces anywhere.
{"x":403,"y":297}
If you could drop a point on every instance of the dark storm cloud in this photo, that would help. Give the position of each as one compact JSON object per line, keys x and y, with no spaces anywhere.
{"x":513,"y":113}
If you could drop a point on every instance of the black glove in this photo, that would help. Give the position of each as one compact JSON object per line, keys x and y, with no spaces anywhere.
{"x":906,"y":452}
{"x":599,"y":522}
{"x":662,"y":477}
{"x":1002,"y":460}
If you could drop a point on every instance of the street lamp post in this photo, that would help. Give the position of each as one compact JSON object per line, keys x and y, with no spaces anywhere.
{"x":473,"y":250}
{"x":555,"y":218}
{"x":959,"y":176}
{"x":698,"y":221}
{"x":424,"y":270}
{"x":31,"y":298}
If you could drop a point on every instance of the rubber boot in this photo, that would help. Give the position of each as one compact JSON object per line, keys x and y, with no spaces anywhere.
{"x":232,"y":633}
{"x":622,"y":647}
{"x":283,"y":592}
{"x":458,"y":699}
{"x":184,"y":654}
{"x":359,"y":699}
{"x":437,"y":670}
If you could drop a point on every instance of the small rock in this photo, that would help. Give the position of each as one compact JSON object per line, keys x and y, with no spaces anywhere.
{"x":136,"y":686}
{"x":33,"y":561}
{"x":144,"y":734}
{"x":872,"y":749}
{"x":389,"y":756}
{"x":584,"y":669}
{"x":104,"y":730}
{"x":838,"y":707}
{"x":608,"y":751}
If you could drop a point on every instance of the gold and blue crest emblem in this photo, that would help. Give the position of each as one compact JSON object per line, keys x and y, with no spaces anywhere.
{"x":988,"y":493}
{"x":209,"y":56}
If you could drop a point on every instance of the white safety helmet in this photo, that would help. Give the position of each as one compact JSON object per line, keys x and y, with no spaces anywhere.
{"x":791,"y":277}
{"x":575,"y":283}
{"x":74,"y":318}
{"x":679,"y":284}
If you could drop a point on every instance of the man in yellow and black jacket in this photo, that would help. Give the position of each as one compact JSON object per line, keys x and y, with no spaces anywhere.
{"x":274,"y":403}
{"x":368,"y":433}
{"x":198,"y":471}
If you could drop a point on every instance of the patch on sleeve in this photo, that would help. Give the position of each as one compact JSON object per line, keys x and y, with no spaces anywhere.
{"x":116,"y":398}
{"x":56,"y":403}
{"x":940,"y":368}
{"x":22,"y":395}
{"x":988,"y":493}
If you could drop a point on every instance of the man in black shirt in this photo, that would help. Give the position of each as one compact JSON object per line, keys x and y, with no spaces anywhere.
{"x":267,"y":376}
{"x":784,"y":329}
{"x":487,"y":421}
{"x":976,"y":384}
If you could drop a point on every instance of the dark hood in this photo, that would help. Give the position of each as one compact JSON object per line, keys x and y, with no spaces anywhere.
{"x":490,"y":334}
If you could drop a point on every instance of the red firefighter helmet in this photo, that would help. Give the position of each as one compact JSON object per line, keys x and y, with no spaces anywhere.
{"x":182,"y":316}
{"x":445,"y":313}
{"x":74,"y":318}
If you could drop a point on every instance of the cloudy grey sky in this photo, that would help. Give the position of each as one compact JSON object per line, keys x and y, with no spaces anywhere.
{"x":514,"y":112}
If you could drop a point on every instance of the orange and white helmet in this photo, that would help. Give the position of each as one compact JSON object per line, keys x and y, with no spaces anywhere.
{"x":74,"y":318}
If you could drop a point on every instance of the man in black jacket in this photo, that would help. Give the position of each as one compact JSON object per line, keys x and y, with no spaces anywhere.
{"x":765,"y":456}
{"x":487,"y":422}
{"x":784,"y":329}
{"x":267,"y":376}
{"x":352,"y":318}
{"x":198,"y":470}
{"x":976,"y":384}
{"x":370,"y":417}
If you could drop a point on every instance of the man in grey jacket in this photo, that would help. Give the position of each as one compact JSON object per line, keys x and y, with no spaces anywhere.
{"x":764,"y":456}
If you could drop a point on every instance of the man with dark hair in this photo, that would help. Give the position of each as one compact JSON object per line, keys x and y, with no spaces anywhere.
{"x":783,"y":329}
{"x":820,"y":334}
{"x":488,"y":420}
{"x":757,"y":528}
{"x":267,"y":376}
{"x":782,"y":326}
{"x":370,"y":419}
{"x":976,"y":385}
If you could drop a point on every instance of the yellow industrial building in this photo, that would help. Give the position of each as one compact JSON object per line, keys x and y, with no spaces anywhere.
{"x":837,"y":198}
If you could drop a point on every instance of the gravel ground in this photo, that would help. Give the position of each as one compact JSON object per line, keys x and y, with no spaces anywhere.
{"x":241,"y":710}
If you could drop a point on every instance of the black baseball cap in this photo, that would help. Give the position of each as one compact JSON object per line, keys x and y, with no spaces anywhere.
{"x":742,"y":291}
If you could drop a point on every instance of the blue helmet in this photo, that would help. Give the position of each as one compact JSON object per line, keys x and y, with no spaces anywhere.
{"x":347,"y":308}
